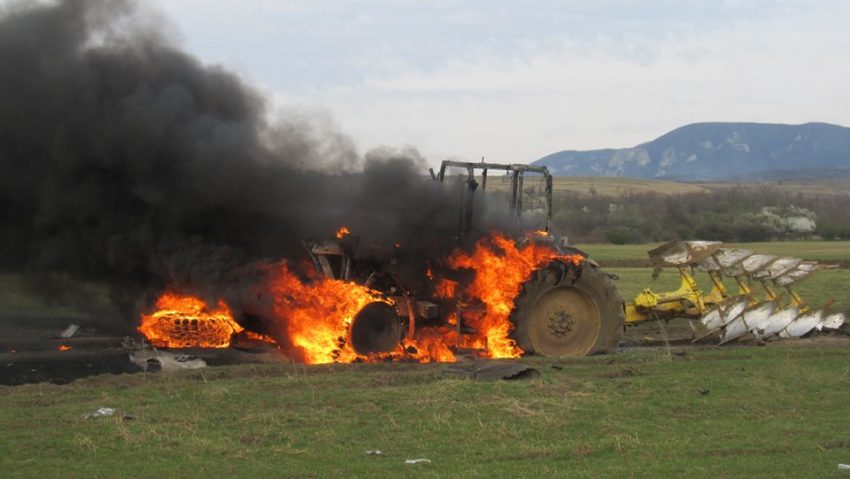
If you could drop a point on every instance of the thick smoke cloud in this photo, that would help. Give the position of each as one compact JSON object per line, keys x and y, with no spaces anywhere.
{"x":127,"y":161}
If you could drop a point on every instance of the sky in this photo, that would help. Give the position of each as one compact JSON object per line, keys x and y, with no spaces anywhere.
{"x":515,"y":81}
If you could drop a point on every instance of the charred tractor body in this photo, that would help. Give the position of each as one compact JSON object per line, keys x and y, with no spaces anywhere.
{"x":564,"y":306}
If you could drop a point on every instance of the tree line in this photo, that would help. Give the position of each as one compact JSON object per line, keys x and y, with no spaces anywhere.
{"x":732,"y":214}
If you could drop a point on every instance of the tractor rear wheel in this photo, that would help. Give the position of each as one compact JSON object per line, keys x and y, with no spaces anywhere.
{"x":558,"y":314}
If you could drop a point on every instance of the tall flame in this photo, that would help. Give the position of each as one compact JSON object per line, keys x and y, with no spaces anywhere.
{"x":500,"y":266}
{"x":317,"y":315}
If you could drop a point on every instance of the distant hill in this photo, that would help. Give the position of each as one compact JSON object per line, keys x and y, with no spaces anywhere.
{"x":720,"y":151}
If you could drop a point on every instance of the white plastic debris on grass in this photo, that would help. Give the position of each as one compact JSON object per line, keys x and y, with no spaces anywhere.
{"x":69,"y":332}
{"x":101,"y":412}
{"x":374,"y":452}
{"x":165,"y":361}
{"x":417,"y":461}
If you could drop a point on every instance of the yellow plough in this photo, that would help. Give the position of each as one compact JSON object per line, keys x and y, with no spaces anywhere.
{"x":755,"y":307}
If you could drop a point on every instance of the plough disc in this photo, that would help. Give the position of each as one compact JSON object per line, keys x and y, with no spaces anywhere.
{"x":755,"y":310}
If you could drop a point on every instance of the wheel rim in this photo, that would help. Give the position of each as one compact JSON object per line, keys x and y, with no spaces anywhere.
{"x":565,"y":321}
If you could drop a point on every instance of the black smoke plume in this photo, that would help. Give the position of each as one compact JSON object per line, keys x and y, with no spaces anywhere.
{"x":125,"y":160}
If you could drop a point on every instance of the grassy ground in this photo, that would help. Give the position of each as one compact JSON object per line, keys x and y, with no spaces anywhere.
{"x":731,"y":412}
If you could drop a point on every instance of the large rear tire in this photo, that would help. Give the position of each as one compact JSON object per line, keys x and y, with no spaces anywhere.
{"x":568,"y":312}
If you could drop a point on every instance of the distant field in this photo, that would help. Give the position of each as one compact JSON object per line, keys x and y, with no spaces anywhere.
{"x":815,"y":250}
{"x":622,"y":186}
{"x":610,"y":186}
{"x":601,"y":185}
{"x":806,"y":187}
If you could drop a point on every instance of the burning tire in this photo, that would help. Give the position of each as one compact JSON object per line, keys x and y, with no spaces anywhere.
{"x":561,"y":314}
{"x":376,"y":329}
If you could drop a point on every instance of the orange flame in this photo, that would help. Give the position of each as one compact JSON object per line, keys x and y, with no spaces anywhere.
{"x":500,"y":269}
{"x":318,"y":314}
{"x":342,"y":232}
{"x":314,"y":316}
{"x":64,"y":347}
{"x":432,"y":345}
{"x":185,"y":322}
{"x":258,"y":337}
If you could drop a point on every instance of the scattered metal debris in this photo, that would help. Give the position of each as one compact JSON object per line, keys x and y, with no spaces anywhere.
{"x":417,"y":461}
{"x":101,"y":412}
{"x":130,"y":344}
{"x":70,"y":331}
{"x":156,"y":360}
{"x":493,"y":370}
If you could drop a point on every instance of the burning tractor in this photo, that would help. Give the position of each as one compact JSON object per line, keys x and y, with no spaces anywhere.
{"x":534,"y":295}
{"x":500,"y":297}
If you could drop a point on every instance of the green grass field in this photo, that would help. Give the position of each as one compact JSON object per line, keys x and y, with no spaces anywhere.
{"x":715,"y":413}
{"x":817,"y":250}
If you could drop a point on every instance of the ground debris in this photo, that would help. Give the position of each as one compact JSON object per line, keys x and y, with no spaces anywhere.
{"x":130,"y":344}
{"x":156,"y":360}
{"x":101,"y":412}
{"x":70,"y":331}
{"x":485,"y":370}
{"x":417,"y":461}
{"x":374,"y":452}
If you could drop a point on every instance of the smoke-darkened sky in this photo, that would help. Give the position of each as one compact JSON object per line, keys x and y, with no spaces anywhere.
{"x":126,"y":160}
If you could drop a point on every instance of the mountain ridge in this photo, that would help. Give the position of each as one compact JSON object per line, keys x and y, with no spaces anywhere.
{"x":719,"y":151}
